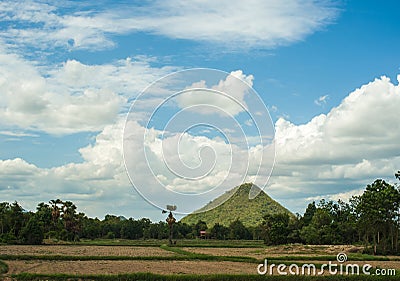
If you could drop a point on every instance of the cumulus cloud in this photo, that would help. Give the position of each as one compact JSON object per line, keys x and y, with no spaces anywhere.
{"x":364,"y":126}
{"x":227,"y":97}
{"x":233,"y":24}
{"x":182,"y":168}
{"x":355,"y":143}
{"x":98,"y":185}
{"x":333,"y":156}
{"x":69,"y":98}
{"x":17,"y":168}
{"x":102,"y":176}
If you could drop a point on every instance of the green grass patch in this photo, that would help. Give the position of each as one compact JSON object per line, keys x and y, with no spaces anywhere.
{"x":358,"y":257}
{"x":114,"y":242}
{"x":3,"y":267}
{"x":196,"y":256}
{"x":189,"y":277}
{"x":211,"y":243}
{"x":365,"y":257}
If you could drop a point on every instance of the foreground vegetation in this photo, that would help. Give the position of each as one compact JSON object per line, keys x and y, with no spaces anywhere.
{"x":372,"y":219}
{"x":3,"y":267}
{"x":208,"y":243}
{"x":220,"y":277}
{"x":22,"y":266}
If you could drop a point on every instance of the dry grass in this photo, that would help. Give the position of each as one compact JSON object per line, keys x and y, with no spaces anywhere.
{"x":96,"y":267}
{"x":275,"y":251}
{"x":119,"y":267}
{"x":73,"y":250}
{"x":158,"y":267}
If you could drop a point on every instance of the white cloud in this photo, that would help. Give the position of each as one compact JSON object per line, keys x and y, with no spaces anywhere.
{"x":48,"y":29}
{"x":98,"y":185}
{"x":236,"y":24}
{"x":321,"y":100}
{"x":225,"y":98}
{"x":195,"y":168}
{"x":17,"y":168}
{"x":333,"y":156}
{"x":249,"y":122}
{"x":31,"y":101}
{"x":233,"y":24}
{"x":355,"y":143}
{"x":17,"y":134}
{"x":273,"y":108}
{"x":365,"y":124}
{"x":70,"y":98}
{"x":344,"y":196}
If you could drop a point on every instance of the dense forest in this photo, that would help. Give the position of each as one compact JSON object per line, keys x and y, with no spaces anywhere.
{"x":371,"y":219}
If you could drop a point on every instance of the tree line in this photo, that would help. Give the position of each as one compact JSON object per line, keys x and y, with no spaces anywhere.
{"x":371,"y":219}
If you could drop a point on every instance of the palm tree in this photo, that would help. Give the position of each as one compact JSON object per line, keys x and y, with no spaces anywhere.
{"x":55,"y":212}
{"x":69,"y":216}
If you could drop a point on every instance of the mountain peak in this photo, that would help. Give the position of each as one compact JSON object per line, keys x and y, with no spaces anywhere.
{"x":236,"y":204}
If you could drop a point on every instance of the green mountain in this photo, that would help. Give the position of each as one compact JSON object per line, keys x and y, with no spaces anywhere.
{"x":249,"y":211}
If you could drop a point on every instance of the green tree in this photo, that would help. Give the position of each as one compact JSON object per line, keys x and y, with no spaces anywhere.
{"x":309,"y":234}
{"x":323,"y":222}
{"x":5,"y":223}
{"x":220,"y":232}
{"x":16,"y":218}
{"x":32,"y":233}
{"x":378,"y":211}
{"x":111,"y":223}
{"x":237,"y":230}
{"x":71,"y":220}
{"x":276,"y":228}
{"x":294,"y":229}
{"x":44,"y":214}
{"x":309,"y":213}
{"x":55,"y":213}
{"x":131,"y":229}
{"x":182,"y":230}
{"x":91,"y":228}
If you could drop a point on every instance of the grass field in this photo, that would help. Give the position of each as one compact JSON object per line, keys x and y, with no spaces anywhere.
{"x":188,"y":260}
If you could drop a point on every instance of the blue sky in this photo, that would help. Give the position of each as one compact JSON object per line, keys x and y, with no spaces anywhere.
{"x":69,"y":71}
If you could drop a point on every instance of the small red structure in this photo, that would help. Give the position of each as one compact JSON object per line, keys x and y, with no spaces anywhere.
{"x":203,"y":234}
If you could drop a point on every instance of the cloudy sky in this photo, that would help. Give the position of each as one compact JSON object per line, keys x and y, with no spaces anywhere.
{"x":328,"y":72}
